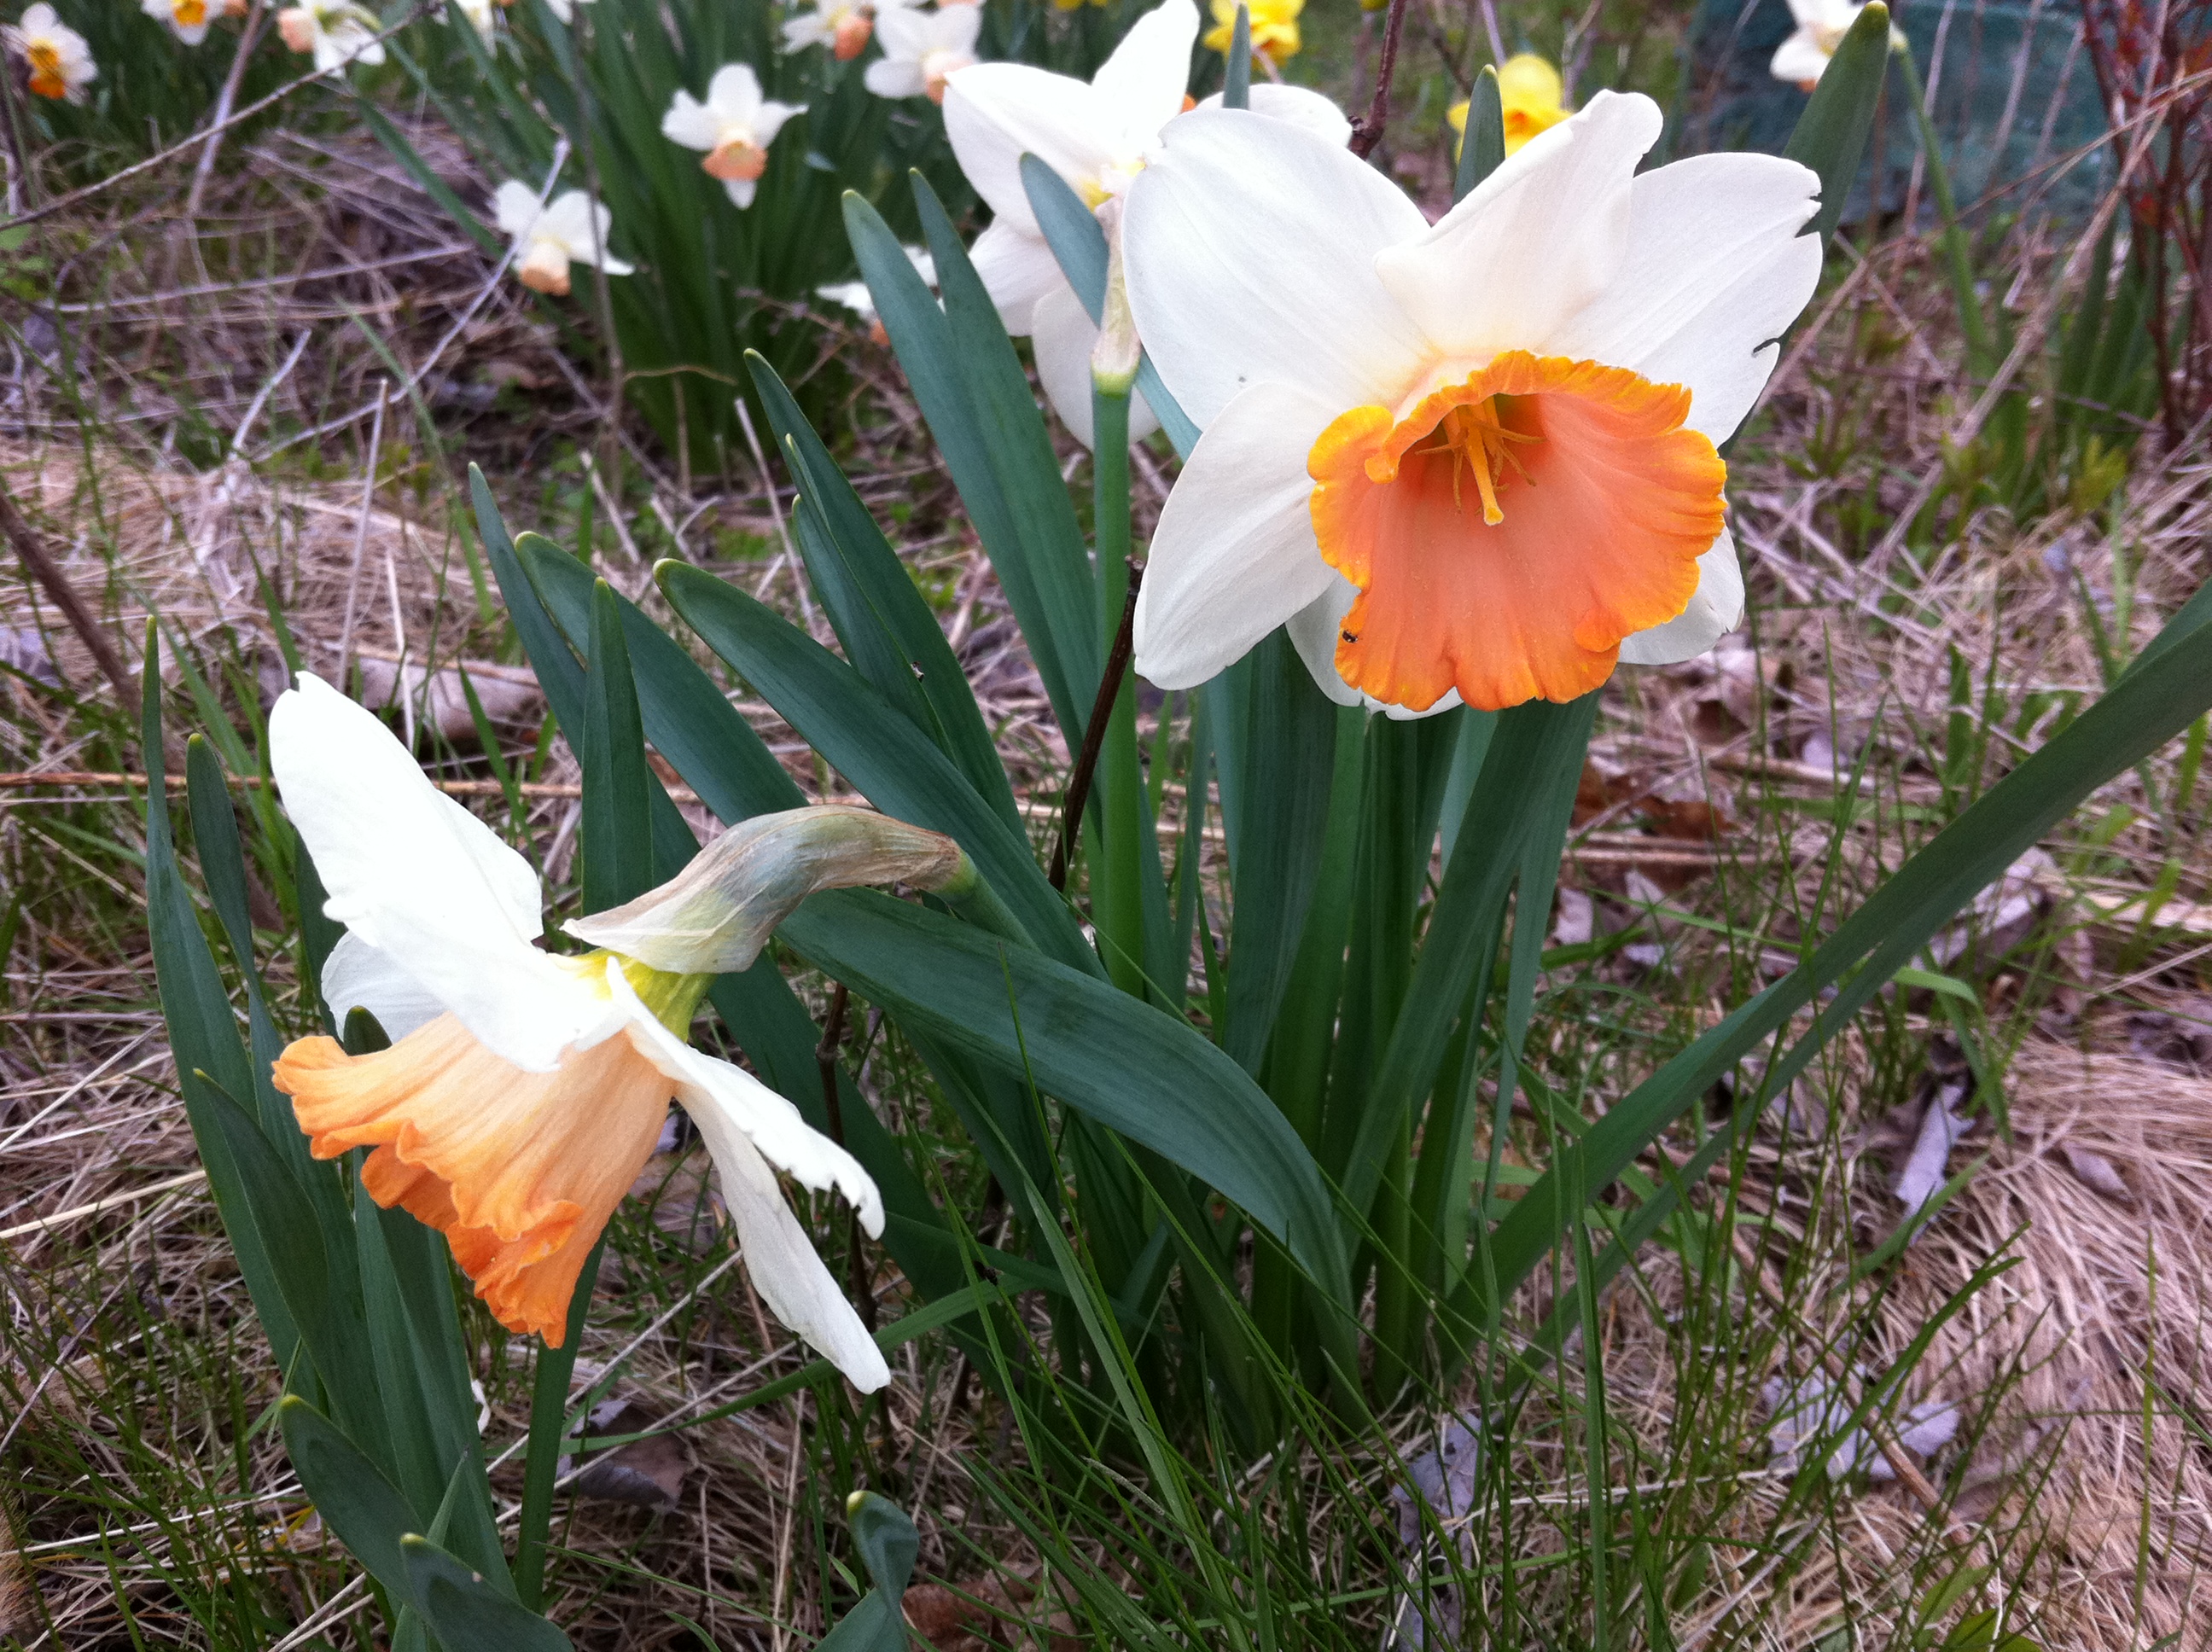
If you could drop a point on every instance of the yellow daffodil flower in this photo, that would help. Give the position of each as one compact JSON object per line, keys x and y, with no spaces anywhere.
{"x":548,"y":239}
{"x":1530,"y":96}
{"x":524,"y":1091}
{"x":1473,"y":461}
{"x":735,"y":126}
{"x":58,"y":60}
{"x":1274,"y":28}
{"x":1098,"y":135}
{"x":922,"y":49}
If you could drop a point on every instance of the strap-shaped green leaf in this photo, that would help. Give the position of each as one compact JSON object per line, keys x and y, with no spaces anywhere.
{"x":203,"y":1031}
{"x":995,"y":448}
{"x":1831,"y":136}
{"x":464,"y":1610}
{"x":1079,"y":245}
{"x":616,"y":824}
{"x":893,"y":764}
{"x":888,"y":1544}
{"x":886,"y":628}
{"x":2167,"y":688}
{"x":355,"y":1497}
{"x":1482,"y":143}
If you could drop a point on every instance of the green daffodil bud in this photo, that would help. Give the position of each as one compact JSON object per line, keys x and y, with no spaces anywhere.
{"x":714,"y":916}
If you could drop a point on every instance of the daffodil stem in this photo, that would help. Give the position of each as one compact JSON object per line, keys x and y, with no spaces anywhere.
{"x":1367,"y":130}
{"x":1118,"y":652}
{"x":549,"y":1416}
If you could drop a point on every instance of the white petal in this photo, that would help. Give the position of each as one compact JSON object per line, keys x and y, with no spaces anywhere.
{"x":515,"y":209}
{"x":690,"y":123}
{"x":741,"y":191}
{"x":996,"y":113}
{"x":417,"y":877}
{"x":1716,"y":269}
{"x":1716,"y":610}
{"x":1251,"y":253}
{"x":771,"y":119}
{"x":1799,"y":59}
{"x":1540,"y":238}
{"x":903,"y":34}
{"x":1300,"y":108}
{"x":356,"y":976}
{"x":808,"y":28}
{"x":772,"y":1123}
{"x":1142,"y":83}
{"x":951,"y":28}
{"x":780,"y":1260}
{"x":1063,"y":336}
{"x":889,"y":77}
{"x":735,"y":92}
{"x":1313,"y":632}
{"x":1234,"y":555}
{"x":1018,"y":269}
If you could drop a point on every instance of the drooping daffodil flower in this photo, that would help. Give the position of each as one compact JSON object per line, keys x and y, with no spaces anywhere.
{"x":922,"y":49}
{"x":735,"y":126}
{"x":1821,"y":25}
{"x":1274,"y":28}
{"x":56,"y":58}
{"x":854,"y":295}
{"x":571,"y":229}
{"x":1098,"y":136}
{"x":1531,"y":97}
{"x":1467,"y":461}
{"x":523,"y":1092}
{"x":336,"y":33}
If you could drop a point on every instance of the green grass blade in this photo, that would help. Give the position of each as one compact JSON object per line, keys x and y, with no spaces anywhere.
{"x":2165,"y":690}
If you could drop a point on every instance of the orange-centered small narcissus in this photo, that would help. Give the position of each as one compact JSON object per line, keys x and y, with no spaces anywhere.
{"x":58,"y":63}
{"x":1467,"y":463}
{"x":734,"y":127}
{"x":186,"y":19}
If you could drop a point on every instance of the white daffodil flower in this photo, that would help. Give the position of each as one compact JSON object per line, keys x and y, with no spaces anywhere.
{"x":1098,"y":136}
{"x":58,"y":60}
{"x":1821,"y":25}
{"x":922,"y":49}
{"x":523,"y":1092}
{"x":479,"y":14}
{"x":1467,"y":461}
{"x":854,"y":295}
{"x":735,"y":126}
{"x":569,"y":229}
{"x":336,"y":32}
{"x":843,"y":25}
{"x":188,"y":19}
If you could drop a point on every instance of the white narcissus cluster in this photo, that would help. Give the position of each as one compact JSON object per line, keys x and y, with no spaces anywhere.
{"x":733,"y":127}
{"x":1467,"y":461}
{"x":1098,"y":136}
{"x":523,"y":1092}
{"x":549,"y":237}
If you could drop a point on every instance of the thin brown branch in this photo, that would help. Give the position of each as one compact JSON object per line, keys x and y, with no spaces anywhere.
{"x":1094,"y":732}
{"x":1367,"y":130}
{"x":31,"y":551}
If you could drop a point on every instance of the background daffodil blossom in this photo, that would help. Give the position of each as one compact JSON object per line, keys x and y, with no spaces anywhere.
{"x":571,"y":229}
{"x":1467,"y":461}
{"x":335,"y":32}
{"x":56,"y":61}
{"x":1098,"y":136}
{"x":734,"y":127}
{"x":1531,"y":99}
{"x":1821,"y":25}
{"x":922,"y":51}
{"x":1274,"y":28}
{"x":523,"y":1092}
